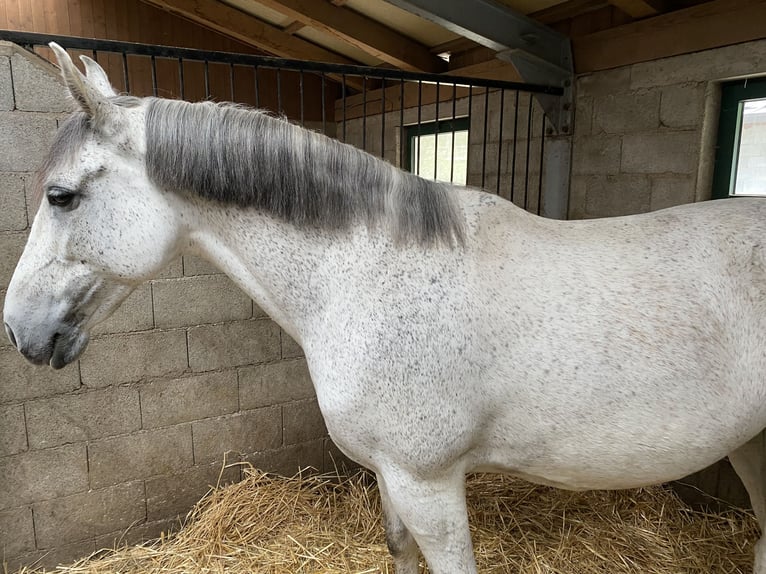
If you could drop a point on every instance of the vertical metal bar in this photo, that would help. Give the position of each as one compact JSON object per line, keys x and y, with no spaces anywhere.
{"x":402,"y":134}
{"x":279,"y":90}
{"x":540,"y":177}
{"x":300,"y":89}
{"x":207,"y":80}
{"x":324,"y":103}
{"x":420,"y":114}
{"x":470,"y":125}
{"x":500,"y":139}
{"x":364,"y":113}
{"x":452,"y":152}
{"x":181,"y":92}
{"x":94,"y":55}
{"x":529,"y":141}
{"x":343,"y":97}
{"x":125,"y":71}
{"x":436,"y":133}
{"x":257,"y":88}
{"x":515,"y":138}
{"x":383,"y":121}
{"x":154,"y":75}
{"x":484,"y":146}
{"x":231,"y":82}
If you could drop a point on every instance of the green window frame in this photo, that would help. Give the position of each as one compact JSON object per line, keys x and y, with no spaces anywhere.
{"x":733,"y":96}
{"x":442,"y":127}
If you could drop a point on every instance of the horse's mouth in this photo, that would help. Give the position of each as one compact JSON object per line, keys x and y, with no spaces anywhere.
{"x":67,"y":347}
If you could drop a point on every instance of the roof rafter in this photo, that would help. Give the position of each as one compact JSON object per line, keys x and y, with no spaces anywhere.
{"x":639,"y":8}
{"x":361,"y":32}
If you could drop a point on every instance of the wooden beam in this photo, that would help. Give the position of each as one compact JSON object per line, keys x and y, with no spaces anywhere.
{"x":293,"y":27}
{"x":361,"y":32}
{"x":637,"y":8}
{"x":702,"y":27}
{"x":567,"y":10}
{"x":453,"y":46}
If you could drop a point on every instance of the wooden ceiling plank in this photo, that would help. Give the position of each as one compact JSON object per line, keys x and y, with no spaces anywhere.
{"x":637,"y":8}
{"x":567,"y":10}
{"x":705,"y":26}
{"x":361,"y":32}
{"x":293,"y":27}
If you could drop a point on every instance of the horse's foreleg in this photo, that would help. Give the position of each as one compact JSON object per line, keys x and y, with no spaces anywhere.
{"x":434,"y":512}
{"x":749,"y":461}
{"x":401,"y":544}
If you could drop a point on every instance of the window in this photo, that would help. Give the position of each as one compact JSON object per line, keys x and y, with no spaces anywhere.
{"x":447,"y":163}
{"x":740,"y":165}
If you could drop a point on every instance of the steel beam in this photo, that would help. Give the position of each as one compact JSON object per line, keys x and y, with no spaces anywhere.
{"x":540,"y":54}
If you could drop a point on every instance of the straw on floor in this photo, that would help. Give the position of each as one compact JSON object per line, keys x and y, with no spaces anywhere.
{"x":275,"y":525}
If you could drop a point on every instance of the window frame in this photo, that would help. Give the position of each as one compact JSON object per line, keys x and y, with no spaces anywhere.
{"x":733,"y":94}
{"x":446,"y":127}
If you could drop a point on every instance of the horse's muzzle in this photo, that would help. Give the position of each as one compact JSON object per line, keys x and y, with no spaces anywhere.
{"x":58,"y":349}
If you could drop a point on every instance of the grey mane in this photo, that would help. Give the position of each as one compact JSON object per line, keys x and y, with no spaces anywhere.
{"x":245,"y":157}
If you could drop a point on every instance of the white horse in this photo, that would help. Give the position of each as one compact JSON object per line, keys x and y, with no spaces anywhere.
{"x":446,"y":330}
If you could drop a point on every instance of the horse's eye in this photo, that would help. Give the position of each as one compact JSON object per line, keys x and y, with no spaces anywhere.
{"x":63,"y":198}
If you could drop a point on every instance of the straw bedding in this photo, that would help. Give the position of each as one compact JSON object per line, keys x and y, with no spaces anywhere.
{"x":268,"y":524}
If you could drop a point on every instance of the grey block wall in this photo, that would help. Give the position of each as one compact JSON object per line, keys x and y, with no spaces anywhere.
{"x":188,"y":370}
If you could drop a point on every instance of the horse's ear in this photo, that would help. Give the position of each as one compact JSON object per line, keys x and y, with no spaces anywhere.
{"x":85,"y":92}
{"x":97,"y":76}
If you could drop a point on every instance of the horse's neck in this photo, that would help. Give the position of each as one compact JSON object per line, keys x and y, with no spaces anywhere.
{"x":277,"y":264}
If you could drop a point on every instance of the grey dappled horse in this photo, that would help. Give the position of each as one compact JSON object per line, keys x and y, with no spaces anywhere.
{"x":446,"y":330}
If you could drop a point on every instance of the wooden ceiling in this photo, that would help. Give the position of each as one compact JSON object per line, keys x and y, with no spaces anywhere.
{"x":604,"y":33}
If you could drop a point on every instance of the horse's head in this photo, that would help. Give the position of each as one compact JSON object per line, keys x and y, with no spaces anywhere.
{"x":101,"y":229}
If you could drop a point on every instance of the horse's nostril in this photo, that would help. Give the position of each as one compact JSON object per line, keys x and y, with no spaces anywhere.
{"x":9,"y":332}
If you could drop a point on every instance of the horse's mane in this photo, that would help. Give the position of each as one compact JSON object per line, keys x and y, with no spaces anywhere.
{"x":235,"y":155}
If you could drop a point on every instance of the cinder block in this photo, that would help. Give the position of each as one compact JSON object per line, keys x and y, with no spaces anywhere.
{"x":290,"y":460}
{"x":627,"y":112}
{"x":139,"y":533}
{"x":660,"y":152}
{"x":197,"y":300}
{"x":175,"y":269}
{"x":82,"y":417}
{"x":135,"y":314}
{"x":140,"y":455}
{"x":43,"y":474}
{"x":13,"y":208}
{"x":31,"y":134}
{"x":37,"y":86}
{"x":21,"y":380}
{"x":274,"y":383}
{"x":670,"y":190}
{"x":682,"y":106}
{"x":6,"y":84}
{"x":17,"y":531}
{"x":583,"y":116}
{"x":116,"y":359}
{"x":302,"y":421}
{"x":244,"y":432}
{"x":604,"y":83}
{"x":88,"y":514}
{"x":176,"y":494}
{"x":197,"y":266}
{"x":165,"y":403}
{"x":11,"y":247}
{"x":52,"y":557}
{"x":290,"y":349}
{"x":609,"y":196}
{"x":13,"y":434}
{"x":596,"y":155}
{"x":233,"y":344}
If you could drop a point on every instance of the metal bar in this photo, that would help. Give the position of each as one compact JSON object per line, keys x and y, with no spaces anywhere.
{"x":94,"y":55}
{"x":300,"y":89}
{"x":402,"y":141}
{"x":364,"y":113}
{"x":125,"y":73}
{"x":484,"y":145}
{"x":324,"y":114}
{"x":207,"y":80}
{"x":383,"y":122}
{"x":181,"y":78}
{"x":470,"y":125}
{"x":420,"y":112}
{"x":279,"y":90}
{"x":257,"y":88}
{"x":540,"y":176}
{"x":436,"y":133}
{"x":500,"y":140}
{"x":515,"y":137}
{"x":452,"y":152}
{"x":231,"y":82}
{"x":29,"y":38}
{"x":154,"y":76}
{"x":529,"y":142}
{"x":343,"y":97}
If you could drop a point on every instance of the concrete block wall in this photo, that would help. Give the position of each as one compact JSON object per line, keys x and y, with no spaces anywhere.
{"x":644,"y":134}
{"x":130,"y":437}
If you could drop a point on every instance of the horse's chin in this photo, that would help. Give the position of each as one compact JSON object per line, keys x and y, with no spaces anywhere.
{"x":67,"y":347}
